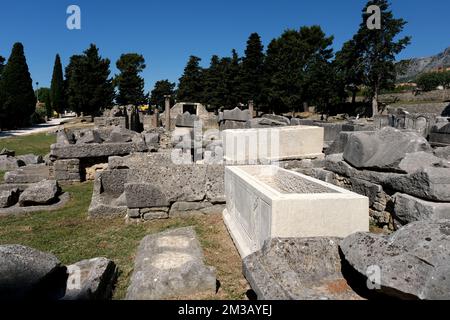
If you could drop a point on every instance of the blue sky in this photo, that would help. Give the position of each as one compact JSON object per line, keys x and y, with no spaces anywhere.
{"x":167,"y":32}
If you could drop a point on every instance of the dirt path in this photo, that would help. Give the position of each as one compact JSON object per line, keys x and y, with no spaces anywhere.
{"x":40,"y":128}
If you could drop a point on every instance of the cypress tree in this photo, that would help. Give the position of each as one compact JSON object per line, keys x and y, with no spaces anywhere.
{"x":129,"y":83}
{"x":251,"y":78}
{"x":191,"y":86}
{"x":57,"y":87}
{"x":16,"y":90}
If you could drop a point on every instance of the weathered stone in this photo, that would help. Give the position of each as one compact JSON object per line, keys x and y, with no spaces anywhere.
{"x":440,"y":135}
{"x":384,"y":150}
{"x":298,"y":269}
{"x":413,"y":162}
{"x":236,"y":115}
{"x":29,"y":174}
{"x":31,"y":159}
{"x":16,"y":210}
{"x":88,"y":136}
{"x":10,"y":163}
{"x":91,"y":171}
{"x":102,"y":206}
{"x":186,"y":120}
{"x":91,"y":279}
{"x":409,"y":209}
{"x":338,"y":145}
{"x":62,"y":138}
{"x":428,"y":183}
{"x":412,"y":261}
{"x":9,"y":197}
{"x":41,"y":193}
{"x":170,"y":264}
{"x":151,"y":139}
{"x":95,"y":150}
{"x":67,"y":170}
{"x":121,"y":135}
{"x":277,"y":119}
{"x":443,"y":152}
{"x":182,"y":209}
{"x":26,"y":273}
{"x":113,"y":181}
{"x":155,"y":213}
{"x":144,"y":195}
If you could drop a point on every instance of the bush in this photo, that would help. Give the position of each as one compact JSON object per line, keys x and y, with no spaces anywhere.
{"x":38,"y":116}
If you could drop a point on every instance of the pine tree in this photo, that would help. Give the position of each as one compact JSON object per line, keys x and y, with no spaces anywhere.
{"x":232,"y":69}
{"x":215,"y":90}
{"x":288,"y":62}
{"x":89,"y":88}
{"x":16,"y":90}
{"x":2,"y":65}
{"x":378,"y":49}
{"x":349,"y":67}
{"x":251,"y":78}
{"x":191,"y":86}
{"x":57,"y":87}
{"x":129,"y":83}
{"x":161,"y":89}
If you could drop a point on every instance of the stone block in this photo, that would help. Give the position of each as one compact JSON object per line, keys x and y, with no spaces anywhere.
{"x":168,"y":265}
{"x":265,"y":202}
{"x":251,"y":146}
{"x":409,"y":209}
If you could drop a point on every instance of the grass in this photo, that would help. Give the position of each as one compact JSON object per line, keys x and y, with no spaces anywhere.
{"x":2,"y":175}
{"x":38,"y":144}
{"x":72,"y":237}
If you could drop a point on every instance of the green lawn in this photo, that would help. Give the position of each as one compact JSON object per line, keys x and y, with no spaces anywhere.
{"x":38,"y":144}
{"x":2,"y":174}
{"x":71,"y":236}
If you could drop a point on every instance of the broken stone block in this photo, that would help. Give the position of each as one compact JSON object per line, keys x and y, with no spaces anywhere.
{"x":88,"y":136}
{"x":32,"y":173}
{"x":413,"y":162}
{"x":154,"y":213}
{"x":121,"y":135}
{"x":26,"y":273}
{"x":144,"y":195}
{"x":409,"y":209}
{"x":9,"y":198}
{"x":41,"y":193}
{"x":170,"y":264}
{"x":91,"y":279}
{"x":428,"y":183}
{"x":412,"y":263}
{"x":443,"y":152}
{"x":236,"y":115}
{"x":31,"y":159}
{"x":62,"y":138}
{"x":186,"y":120}
{"x":91,"y":171}
{"x":383,"y":150}
{"x":298,"y":269}
{"x":8,"y":163}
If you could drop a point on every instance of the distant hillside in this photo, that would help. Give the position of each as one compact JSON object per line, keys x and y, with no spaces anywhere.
{"x":410,"y":69}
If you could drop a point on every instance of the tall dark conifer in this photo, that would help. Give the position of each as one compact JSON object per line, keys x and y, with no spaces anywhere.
{"x":57,"y":87}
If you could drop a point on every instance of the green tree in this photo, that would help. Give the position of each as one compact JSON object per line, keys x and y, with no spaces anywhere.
{"x":129,"y":82}
{"x":89,"y":88}
{"x":349,"y":67}
{"x":378,"y":48}
{"x":16,"y":91}
{"x":191,"y":86}
{"x":215,"y":87}
{"x":57,"y":87}
{"x":252,"y":70}
{"x":288,"y":62}
{"x":2,"y":65}
{"x":161,"y":89}
{"x":44,"y":95}
{"x":232,"y":72}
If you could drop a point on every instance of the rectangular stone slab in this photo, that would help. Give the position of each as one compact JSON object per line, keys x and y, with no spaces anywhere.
{"x":253,"y":146}
{"x":170,"y":264}
{"x":96,"y":150}
{"x":265,"y":202}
